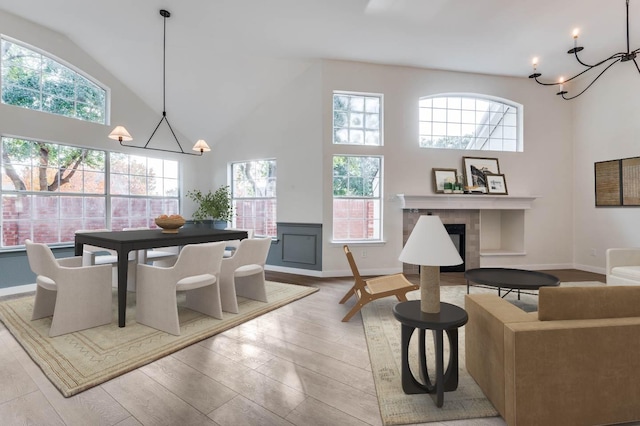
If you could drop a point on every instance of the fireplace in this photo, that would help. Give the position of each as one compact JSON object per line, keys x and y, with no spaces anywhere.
{"x":457,"y":233}
{"x":470,"y":219}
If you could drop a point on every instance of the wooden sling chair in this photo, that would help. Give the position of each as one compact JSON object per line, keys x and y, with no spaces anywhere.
{"x":367,"y":290}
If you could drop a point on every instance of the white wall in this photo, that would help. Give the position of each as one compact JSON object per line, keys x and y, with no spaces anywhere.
{"x":606,"y":127}
{"x":543,"y":169}
{"x":287,"y":127}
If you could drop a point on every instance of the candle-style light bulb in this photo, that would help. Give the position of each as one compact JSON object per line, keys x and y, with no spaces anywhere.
{"x":576,"y":31}
{"x":534,"y":62}
{"x":561,"y":81}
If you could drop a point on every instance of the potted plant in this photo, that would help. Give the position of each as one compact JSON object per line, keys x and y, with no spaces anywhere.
{"x":213,"y":205}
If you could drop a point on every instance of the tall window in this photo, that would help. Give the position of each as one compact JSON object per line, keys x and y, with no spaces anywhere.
{"x":141,"y":189}
{"x":36,"y":80}
{"x":253,"y":191}
{"x":357,"y":196}
{"x":470,"y":122}
{"x":51,"y":190}
{"x":357,"y":119}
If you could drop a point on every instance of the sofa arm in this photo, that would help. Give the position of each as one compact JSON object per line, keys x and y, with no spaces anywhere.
{"x":484,"y":337}
{"x":572,"y":372}
{"x":622,"y":257}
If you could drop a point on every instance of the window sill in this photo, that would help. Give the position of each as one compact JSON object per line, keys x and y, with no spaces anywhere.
{"x":361,"y":243}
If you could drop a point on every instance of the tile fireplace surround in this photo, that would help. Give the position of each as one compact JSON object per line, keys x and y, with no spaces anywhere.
{"x":457,"y":209}
{"x":471,"y":220}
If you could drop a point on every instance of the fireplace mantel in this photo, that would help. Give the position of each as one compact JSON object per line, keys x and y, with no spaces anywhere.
{"x":466,"y":202}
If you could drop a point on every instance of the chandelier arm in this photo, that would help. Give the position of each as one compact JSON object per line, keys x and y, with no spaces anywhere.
{"x":174,"y":135}
{"x":542,"y":83}
{"x":164,"y":117}
{"x":591,"y":84}
{"x":614,"y":56}
{"x":636,"y":63}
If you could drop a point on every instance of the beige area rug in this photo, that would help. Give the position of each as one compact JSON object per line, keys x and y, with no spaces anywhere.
{"x":382,"y":331}
{"x":78,"y":361}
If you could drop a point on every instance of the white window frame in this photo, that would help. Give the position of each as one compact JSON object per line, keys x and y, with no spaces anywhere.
{"x":490,"y":130}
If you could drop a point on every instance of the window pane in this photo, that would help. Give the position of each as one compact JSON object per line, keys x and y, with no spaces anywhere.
{"x":253,"y":192}
{"x":49,"y":190}
{"x":468,"y":123}
{"x":357,"y":194}
{"x":354,"y":116}
{"x":37,"y":81}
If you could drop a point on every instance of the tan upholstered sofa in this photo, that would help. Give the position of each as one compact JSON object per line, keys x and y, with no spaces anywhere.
{"x":574,"y":362}
{"x":623,"y":266}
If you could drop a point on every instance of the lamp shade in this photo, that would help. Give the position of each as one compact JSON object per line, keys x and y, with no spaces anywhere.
{"x":120,"y":134}
{"x":201,"y":146}
{"x":430,"y":245}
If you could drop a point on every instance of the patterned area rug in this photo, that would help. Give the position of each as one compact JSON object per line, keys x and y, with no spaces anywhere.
{"x":383,"y":339}
{"x":78,"y":361}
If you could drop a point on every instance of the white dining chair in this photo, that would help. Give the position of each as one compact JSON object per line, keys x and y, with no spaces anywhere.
{"x":243,"y":273}
{"x":232,"y":245}
{"x":166,"y":256}
{"x":78,"y":297}
{"x":93,"y":255}
{"x":196,"y":272}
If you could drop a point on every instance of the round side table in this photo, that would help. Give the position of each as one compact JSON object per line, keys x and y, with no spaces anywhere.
{"x":448,"y":320}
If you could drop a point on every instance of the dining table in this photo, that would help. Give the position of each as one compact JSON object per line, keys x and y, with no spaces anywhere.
{"x":123,"y":242}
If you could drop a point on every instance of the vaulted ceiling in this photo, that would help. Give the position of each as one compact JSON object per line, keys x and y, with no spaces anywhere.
{"x":224,"y":56}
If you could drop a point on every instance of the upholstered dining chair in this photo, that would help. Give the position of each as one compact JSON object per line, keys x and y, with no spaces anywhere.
{"x":371,"y":289}
{"x":78,"y":297}
{"x":232,"y":245}
{"x":166,"y":256}
{"x":92,"y":255}
{"x":196,"y":272}
{"x":243,"y":273}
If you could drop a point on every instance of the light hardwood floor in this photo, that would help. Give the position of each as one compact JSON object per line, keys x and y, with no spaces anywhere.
{"x":297,"y":365}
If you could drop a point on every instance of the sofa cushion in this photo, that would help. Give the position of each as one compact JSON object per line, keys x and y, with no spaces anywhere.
{"x":571,"y":303}
{"x":629,"y":272}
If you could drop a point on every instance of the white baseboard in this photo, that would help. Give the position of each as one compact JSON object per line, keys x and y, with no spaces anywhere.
{"x":331,"y":274}
{"x":589,"y":268}
{"x":17,"y":289}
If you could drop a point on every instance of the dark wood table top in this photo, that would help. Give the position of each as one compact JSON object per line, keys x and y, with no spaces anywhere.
{"x":518,"y":279}
{"x":450,"y":316}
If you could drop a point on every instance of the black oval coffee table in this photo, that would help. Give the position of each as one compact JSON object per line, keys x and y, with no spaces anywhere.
{"x":511,"y":279}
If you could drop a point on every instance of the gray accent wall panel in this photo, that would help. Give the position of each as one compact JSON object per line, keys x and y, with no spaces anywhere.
{"x":299,"y":245}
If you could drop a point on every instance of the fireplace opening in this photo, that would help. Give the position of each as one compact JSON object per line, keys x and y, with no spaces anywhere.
{"x":457,"y":234}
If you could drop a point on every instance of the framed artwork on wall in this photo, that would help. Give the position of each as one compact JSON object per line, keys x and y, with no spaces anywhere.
{"x":442,"y":176}
{"x":608,"y":183}
{"x":475,"y":169}
{"x":496,"y":184}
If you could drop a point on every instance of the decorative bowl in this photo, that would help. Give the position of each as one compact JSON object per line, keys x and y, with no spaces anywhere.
{"x":170,"y":225}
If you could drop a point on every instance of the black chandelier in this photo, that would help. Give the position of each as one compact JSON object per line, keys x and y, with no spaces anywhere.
{"x":120,"y":134}
{"x":627,"y":56}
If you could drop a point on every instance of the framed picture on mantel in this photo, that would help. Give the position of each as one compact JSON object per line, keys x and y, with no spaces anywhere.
{"x":442,"y":176}
{"x":496,"y":184}
{"x":475,"y":169}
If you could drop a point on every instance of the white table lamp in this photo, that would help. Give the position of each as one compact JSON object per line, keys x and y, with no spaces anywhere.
{"x":430,"y":246}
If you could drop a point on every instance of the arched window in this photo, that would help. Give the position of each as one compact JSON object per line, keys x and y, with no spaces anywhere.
{"x":36,"y":80}
{"x":470,"y":122}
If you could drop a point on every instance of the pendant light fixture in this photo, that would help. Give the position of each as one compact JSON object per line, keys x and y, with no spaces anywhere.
{"x":629,"y":55}
{"x":120,"y":133}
